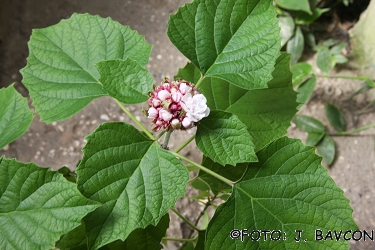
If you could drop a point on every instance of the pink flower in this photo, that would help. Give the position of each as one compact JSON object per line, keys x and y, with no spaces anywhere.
{"x":176,"y":105}
{"x":195,"y":106}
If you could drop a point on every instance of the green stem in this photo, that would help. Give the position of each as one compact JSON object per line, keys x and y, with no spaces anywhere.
{"x":184,"y":219}
{"x":345,"y":77}
{"x":166,"y":138}
{"x":356,"y":130}
{"x":208,"y":171}
{"x":186,"y":143}
{"x":135,"y":120}
{"x":160,"y":135}
{"x":199,"y":81}
{"x":177,"y":239}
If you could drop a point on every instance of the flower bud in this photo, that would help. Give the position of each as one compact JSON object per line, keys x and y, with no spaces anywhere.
{"x":164,"y":94}
{"x":152,"y":113}
{"x":176,"y":124}
{"x":187,"y":123}
{"x":165,"y":115}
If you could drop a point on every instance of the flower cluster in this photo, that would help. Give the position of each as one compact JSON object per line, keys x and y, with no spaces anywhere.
{"x":176,"y":104}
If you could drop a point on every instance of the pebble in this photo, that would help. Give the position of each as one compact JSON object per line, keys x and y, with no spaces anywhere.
{"x":104,"y":117}
{"x":159,"y":57}
{"x":6,"y":148}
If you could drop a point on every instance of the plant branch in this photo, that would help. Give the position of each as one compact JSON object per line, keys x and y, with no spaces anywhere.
{"x":184,"y":219}
{"x":135,"y":120}
{"x":185,"y":144}
{"x":199,"y":81}
{"x":355,"y":130}
{"x":345,"y":77}
{"x":208,"y":171}
{"x":178,"y":239}
{"x":166,"y":138}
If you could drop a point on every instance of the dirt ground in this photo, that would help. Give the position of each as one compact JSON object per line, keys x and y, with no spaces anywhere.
{"x":59,"y":144}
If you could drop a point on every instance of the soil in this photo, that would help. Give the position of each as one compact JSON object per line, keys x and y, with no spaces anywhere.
{"x":59,"y":144}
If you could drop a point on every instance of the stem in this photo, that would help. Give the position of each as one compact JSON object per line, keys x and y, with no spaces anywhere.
{"x":177,"y":239}
{"x":184,"y":219}
{"x":199,"y":81}
{"x":185,"y":144}
{"x":160,"y":135}
{"x":345,"y":77}
{"x":208,"y":171}
{"x":166,"y":138}
{"x":356,"y":130}
{"x":135,"y":120}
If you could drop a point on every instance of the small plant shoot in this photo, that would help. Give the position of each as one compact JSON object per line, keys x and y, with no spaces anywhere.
{"x":236,"y":91}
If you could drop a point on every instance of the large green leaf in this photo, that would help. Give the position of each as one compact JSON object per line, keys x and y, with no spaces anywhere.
{"x":15,"y":115}
{"x":237,"y":41}
{"x":37,"y":206}
{"x":139,"y":239}
{"x":266,"y":112}
{"x":286,"y":190}
{"x":132,"y":176}
{"x":127,"y":81}
{"x":60,"y":73}
{"x":224,"y":138}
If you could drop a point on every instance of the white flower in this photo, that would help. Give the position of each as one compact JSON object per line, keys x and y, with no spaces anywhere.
{"x":152,"y":113}
{"x":187,"y":123}
{"x":165,"y":115}
{"x":184,"y":88}
{"x":164,"y":94}
{"x":176,"y":96}
{"x":195,"y":106}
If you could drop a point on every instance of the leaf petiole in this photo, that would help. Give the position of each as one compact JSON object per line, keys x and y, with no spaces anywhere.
{"x":184,"y":219}
{"x":355,"y":130}
{"x":166,"y":138}
{"x":208,"y":171}
{"x":134,"y":119}
{"x":185,"y":144}
{"x":199,"y":81}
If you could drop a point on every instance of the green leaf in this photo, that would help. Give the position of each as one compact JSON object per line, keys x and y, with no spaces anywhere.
{"x":305,"y":90}
{"x":224,"y":138}
{"x":324,"y":59}
{"x":326,"y":149}
{"x":15,"y":115}
{"x":127,"y":81}
{"x":338,"y":48}
{"x":303,"y":18}
{"x":302,"y":5}
{"x":335,"y":117}
{"x":266,"y":112}
{"x":286,"y":190}
{"x":301,"y":71}
{"x":200,"y":185}
{"x":232,"y":173}
{"x":309,"y":38}
{"x":314,"y":138}
{"x":189,"y":73}
{"x":308,"y":124}
{"x":237,"y":41}
{"x":287,"y":27}
{"x":132,"y":176}
{"x":37,"y":206}
{"x":338,"y":58}
{"x":139,"y":239}
{"x":60,"y":74}
{"x":295,"y":46}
